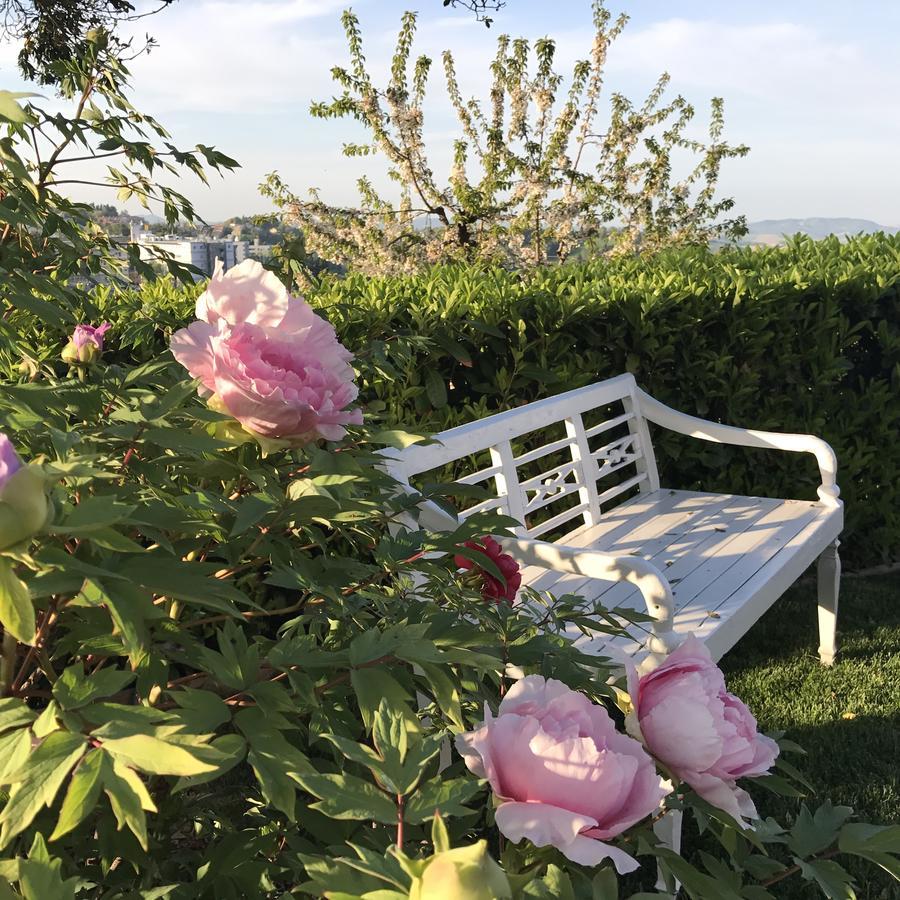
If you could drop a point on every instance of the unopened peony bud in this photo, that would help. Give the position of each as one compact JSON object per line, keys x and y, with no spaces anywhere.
{"x":466,"y":873}
{"x":24,"y":509}
{"x":85,"y":345}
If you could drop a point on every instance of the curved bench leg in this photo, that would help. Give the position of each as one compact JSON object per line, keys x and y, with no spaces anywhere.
{"x":829,"y":586}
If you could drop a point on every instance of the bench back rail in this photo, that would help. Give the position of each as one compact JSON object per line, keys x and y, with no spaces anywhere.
{"x":577,"y":484}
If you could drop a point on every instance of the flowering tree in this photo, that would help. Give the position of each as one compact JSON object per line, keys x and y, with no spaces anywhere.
{"x":535,"y":176}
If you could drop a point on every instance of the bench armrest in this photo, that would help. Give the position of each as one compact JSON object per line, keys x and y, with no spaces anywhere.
{"x":680,"y":422}
{"x":650,"y":581}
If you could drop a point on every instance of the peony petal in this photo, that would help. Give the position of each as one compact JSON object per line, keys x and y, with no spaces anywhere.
{"x":541,"y":823}
{"x":475,"y":749}
{"x":545,"y":825}
{"x":192,"y":347}
{"x":9,"y":459}
{"x":587,"y":851}
{"x":247,"y":292}
{"x":537,"y":693}
{"x":724,"y":795}
{"x":681,"y":730}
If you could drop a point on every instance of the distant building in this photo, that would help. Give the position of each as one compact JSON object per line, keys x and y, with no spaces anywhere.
{"x":201,"y":253}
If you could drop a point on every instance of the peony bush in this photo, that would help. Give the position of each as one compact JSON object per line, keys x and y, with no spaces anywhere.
{"x":225,"y":674}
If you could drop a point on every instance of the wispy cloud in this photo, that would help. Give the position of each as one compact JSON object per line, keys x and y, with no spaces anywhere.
{"x":220,"y":56}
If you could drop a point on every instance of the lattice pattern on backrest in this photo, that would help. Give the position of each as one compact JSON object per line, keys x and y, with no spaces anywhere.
{"x":554,"y":465}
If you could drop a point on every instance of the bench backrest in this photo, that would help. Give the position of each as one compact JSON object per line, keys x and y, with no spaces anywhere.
{"x":599,"y":450}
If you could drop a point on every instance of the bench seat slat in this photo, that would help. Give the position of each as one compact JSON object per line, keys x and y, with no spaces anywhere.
{"x":716,"y":550}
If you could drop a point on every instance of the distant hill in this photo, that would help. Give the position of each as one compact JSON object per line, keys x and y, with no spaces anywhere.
{"x":772,"y":231}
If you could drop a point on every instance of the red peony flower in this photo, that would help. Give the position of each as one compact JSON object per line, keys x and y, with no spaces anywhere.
{"x":491,"y":587}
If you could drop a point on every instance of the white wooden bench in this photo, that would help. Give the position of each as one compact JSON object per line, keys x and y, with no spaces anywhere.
{"x":596,"y":523}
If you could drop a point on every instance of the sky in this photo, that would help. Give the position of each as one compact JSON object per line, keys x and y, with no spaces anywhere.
{"x":812,"y":86}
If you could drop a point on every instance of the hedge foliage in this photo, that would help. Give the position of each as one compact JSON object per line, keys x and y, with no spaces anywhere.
{"x":804,"y":338}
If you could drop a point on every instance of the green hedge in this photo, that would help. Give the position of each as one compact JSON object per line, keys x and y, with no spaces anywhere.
{"x":800,"y":338}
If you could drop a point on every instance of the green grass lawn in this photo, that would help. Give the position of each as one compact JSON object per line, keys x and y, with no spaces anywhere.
{"x":847,"y":717}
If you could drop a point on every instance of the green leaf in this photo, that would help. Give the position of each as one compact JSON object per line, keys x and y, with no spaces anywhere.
{"x":74,"y":689}
{"x":605,"y":885}
{"x":398,"y":439}
{"x":36,"y":782}
{"x":358,"y":753}
{"x":81,"y":797}
{"x":14,"y":713}
{"x":205,"y":710}
{"x":389,"y":732}
{"x":156,"y":757}
{"x":10,"y":110}
{"x":348,"y":797}
{"x":436,"y":389}
{"x":811,"y":834}
{"x":441,"y":795}
{"x":878,"y":844}
{"x":374,"y":684}
{"x":15,"y":748}
{"x":184,"y":581}
{"x":445,"y":693}
{"x":276,"y":762}
{"x":92,"y":514}
{"x":16,"y":609}
{"x":40,"y":880}
{"x":857,"y":836}
{"x":130,"y":608}
{"x":232,"y":746}
{"x":128,"y":797}
{"x":833,"y":880}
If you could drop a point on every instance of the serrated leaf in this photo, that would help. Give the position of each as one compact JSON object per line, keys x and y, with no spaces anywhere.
{"x":204,"y":710}
{"x":813,"y":833}
{"x":349,"y":797}
{"x":833,"y":880}
{"x":74,"y":689}
{"x":440,"y":795}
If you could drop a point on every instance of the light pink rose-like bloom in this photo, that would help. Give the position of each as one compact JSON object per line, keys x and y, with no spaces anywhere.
{"x":562,"y":773}
{"x":273,"y":364}
{"x":701,"y":733}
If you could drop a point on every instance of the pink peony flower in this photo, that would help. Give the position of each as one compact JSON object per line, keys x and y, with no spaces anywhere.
{"x":9,"y":459}
{"x":86,"y":343}
{"x":704,"y":735}
{"x":491,"y":587}
{"x":562,"y":773}
{"x":270,"y":361}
